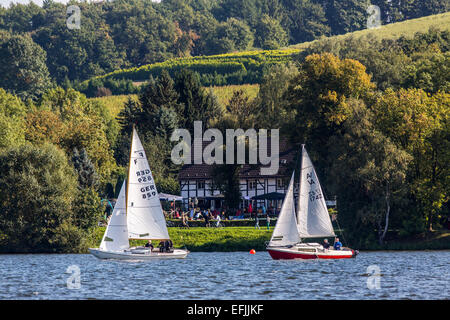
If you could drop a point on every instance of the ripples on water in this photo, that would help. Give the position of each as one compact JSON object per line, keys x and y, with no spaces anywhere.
{"x":232,"y":275}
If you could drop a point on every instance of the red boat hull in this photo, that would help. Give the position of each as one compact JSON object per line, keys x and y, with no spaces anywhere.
{"x":284,"y":254}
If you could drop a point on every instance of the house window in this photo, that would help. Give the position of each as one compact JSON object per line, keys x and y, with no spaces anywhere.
{"x":200,"y":185}
{"x":280,"y":184}
{"x":252,"y":184}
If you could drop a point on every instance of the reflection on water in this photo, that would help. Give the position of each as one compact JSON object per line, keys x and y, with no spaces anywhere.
{"x":231,"y":275}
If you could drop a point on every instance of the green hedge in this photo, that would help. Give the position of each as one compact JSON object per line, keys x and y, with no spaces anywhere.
{"x":218,"y":70}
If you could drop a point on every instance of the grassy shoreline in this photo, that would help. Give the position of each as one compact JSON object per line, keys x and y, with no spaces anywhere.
{"x":230,"y":239}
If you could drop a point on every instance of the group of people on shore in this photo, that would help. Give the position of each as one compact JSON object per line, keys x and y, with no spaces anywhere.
{"x":207,"y":215}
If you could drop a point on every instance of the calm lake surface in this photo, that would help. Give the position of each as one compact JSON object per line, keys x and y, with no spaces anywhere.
{"x":230,"y":275}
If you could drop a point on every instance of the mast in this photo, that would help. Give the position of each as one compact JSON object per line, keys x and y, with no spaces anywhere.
{"x":300,"y":184}
{"x":129,"y":166}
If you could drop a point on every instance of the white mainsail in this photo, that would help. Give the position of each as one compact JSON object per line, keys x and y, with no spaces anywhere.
{"x":144,"y":212}
{"x":285,"y":232}
{"x":313,"y":219}
{"x":116,"y":234}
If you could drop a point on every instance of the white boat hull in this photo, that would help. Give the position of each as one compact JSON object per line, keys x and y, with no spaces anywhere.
{"x":129,"y":255}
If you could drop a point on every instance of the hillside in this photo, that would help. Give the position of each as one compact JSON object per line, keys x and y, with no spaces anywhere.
{"x":394,"y":30}
{"x":246,"y":67}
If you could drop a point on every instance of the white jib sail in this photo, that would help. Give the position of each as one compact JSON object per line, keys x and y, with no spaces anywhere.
{"x":116,"y":234}
{"x":285,"y":232}
{"x":144,"y":212}
{"x":313,"y":219}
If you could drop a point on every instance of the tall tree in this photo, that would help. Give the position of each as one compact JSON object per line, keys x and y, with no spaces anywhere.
{"x":368,"y":172}
{"x":23,"y":68}
{"x":38,"y":217}
{"x":196,"y":104}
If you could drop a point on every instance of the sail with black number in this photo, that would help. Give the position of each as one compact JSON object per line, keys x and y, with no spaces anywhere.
{"x":144,"y":212}
{"x":137,"y":215}
{"x":313,"y":219}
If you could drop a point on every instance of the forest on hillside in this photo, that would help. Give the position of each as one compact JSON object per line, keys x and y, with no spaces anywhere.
{"x":131,"y":33}
{"x":374,"y":114}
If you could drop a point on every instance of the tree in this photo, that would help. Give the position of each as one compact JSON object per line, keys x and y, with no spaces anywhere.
{"x":418,"y":123}
{"x":44,"y":126}
{"x":12,"y":126}
{"x":346,"y":15}
{"x":368,"y":174}
{"x":87,"y":176}
{"x":23,"y":68}
{"x":37,"y":190}
{"x":304,"y":20}
{"x":319,"y":95}
{"x":159,"y":103}
{"x":196,"y":104}
{"x":270,"y":34}
{"x":231,"y":35}
{"x":272,"y":111}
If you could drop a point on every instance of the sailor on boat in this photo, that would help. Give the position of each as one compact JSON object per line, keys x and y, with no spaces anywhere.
{"x":137,"y":215}
{"x":310,"y":220}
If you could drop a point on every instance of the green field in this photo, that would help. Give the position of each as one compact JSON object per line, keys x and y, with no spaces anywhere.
{"x":211,"y":239}
{"x":116,"y":103}
{"x":394,"y":30}
{"x":226,"y":239}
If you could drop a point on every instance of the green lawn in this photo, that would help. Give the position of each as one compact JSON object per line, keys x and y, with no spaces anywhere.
{"x":212,"y":239}
{"x":395,"y":30}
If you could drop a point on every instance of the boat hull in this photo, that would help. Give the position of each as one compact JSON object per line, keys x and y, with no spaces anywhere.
{"x":295,"y":253}
{"x":128,"y":255}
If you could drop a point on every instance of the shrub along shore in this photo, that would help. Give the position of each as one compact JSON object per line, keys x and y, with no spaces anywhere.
{"x":201,"y":239}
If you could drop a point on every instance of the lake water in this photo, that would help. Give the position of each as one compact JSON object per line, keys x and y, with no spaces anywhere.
{"x":231,"y":275}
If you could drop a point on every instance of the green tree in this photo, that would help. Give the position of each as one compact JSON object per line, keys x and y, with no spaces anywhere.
{"x":368,"y":174}
{"x":159,"y":103}
{"x":23,"y":68}
{"x":270,"y":34}
{"x":231,"y":35}
{"x":271,"y":103}
{"x":87,"y":176}
{"x":12,"y":124}
{"x":346,"y":15}
{"x":319,"y":95}
{"x":304,"y":20}
{"x":196,"y":104}
{"x":38,"y":188}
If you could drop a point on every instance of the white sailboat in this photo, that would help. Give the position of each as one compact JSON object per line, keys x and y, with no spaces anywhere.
{"x":137,"y":215}
{"x":311,"y":221}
